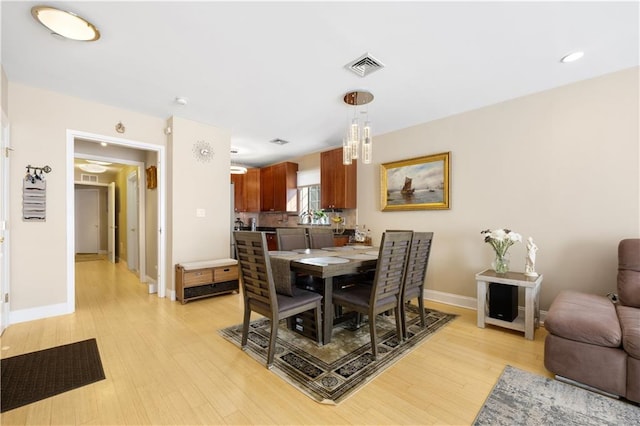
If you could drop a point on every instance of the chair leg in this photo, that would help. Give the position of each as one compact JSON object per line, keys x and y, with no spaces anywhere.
{"x":319,"y":325}
{"x":245,"y":327}
{"x":423,"y":321}
{"x":399,"y":330}
{"x":372,"y":332}
{"x":272,"y":342}
{"x":403,"y":318}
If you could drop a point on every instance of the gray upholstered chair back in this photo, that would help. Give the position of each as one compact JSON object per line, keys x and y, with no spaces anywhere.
{"x":291,"y":238}
{"x":320,"y":238}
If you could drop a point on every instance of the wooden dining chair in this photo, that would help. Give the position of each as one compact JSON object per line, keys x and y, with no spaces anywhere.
{"x":291,"y":238}
{"x":386,"y":291}
{"x":321,"y":238}
{"x":260,"y":294}
{"x":415,"y":274}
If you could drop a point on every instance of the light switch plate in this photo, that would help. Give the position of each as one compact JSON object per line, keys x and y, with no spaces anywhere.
{"x":200,"y":213}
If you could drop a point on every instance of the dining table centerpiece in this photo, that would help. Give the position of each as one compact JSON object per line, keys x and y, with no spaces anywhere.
{"x":501,"y":240}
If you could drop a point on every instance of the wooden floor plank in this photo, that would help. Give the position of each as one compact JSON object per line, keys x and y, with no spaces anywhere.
{"x":166,"y":364}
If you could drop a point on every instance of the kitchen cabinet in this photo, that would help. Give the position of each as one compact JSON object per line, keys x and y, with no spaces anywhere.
{"x":272,"y":241}
{"x":278,"y":188}
{"x":338,"y":183}
{"x":247,"y":191}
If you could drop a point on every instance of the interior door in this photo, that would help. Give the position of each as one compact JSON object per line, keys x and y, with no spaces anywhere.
{"x":87,"y":221}
{"x":132,"y":222}
{"x":111,"y":222}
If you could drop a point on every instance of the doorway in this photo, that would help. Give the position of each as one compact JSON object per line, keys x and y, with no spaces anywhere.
{"x":87,"y":228}
{"x":72,"y":136}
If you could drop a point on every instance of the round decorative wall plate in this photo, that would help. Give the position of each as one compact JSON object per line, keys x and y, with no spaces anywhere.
{"x":203,"y":151}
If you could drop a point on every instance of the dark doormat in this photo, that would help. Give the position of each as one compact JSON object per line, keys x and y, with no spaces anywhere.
{"x":37,"y":375}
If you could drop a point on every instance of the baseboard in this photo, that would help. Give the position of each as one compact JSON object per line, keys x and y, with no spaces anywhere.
{"x":451,"y":299}
{"x":465,"y":301}
{"x":153,"y":285}
{"x":172,"y":295}
{"x":31,"y":314}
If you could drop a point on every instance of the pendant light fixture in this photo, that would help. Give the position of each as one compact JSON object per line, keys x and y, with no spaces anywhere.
{"x":358,"y":132}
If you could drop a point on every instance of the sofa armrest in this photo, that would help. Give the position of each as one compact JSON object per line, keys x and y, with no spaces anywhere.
{"x":585,"y":318}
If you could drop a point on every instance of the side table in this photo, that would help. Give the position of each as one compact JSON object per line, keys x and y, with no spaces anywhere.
{"x":531,"y":319}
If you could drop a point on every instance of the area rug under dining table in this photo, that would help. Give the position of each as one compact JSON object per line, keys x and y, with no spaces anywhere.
{"x":331,"y":373}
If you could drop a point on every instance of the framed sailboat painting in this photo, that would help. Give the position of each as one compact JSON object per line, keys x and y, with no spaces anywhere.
{"x":415,"y":184}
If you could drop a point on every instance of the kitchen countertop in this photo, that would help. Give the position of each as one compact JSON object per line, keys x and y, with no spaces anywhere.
{"x":271,"y":229}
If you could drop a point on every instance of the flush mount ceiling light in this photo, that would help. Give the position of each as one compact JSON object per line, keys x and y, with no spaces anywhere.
{"x":65,"y":24}
{"x":93,"y":168}
{"x":571,"y":57}
{"x":358,"y":132}
{"x":235,"y":169}
{"x":238,"y":170}
{"x":102,"y":163}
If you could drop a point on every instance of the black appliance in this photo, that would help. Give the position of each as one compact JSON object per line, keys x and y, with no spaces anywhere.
{"x":503,"y":301}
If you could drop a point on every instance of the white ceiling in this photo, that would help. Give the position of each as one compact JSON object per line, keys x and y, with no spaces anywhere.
{"x":268,"y":70}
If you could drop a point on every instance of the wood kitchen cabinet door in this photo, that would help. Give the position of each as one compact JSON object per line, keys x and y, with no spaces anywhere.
{"x":246,"y":191}
{"x":278,"y":187}
{"x":252,"y":190}
{"x":266,"y":189}
{"x":338,"y":183}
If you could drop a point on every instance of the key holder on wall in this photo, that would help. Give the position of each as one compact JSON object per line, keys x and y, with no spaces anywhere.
{"x":34,"y":194}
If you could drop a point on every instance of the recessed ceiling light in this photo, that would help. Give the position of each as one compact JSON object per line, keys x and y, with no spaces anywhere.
{"x":181,"y":101}
{"x":103,"y":144}
{"x":93,"y":168}
{"x":65,"y":24}
{"x":573,"y":56}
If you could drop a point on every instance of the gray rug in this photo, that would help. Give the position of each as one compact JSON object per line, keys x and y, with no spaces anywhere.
{"x":522,"y":398}
{"x":332,"y":372}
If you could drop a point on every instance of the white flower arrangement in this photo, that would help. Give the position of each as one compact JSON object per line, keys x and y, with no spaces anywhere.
{"x":501,"y":239}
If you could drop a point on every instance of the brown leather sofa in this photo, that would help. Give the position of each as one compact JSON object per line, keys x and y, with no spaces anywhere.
{"x":595,"y":341}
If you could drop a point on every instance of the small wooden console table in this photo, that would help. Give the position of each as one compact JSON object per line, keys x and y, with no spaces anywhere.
{"x":196,"y":280}
{"x":531,"y":319}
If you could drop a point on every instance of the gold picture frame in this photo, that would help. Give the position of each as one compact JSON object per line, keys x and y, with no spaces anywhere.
{"x":152,"y":177}
{"x":415,"y":184}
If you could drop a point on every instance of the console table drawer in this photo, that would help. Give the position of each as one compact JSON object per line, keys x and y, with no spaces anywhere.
{"x":225,"y":274}
{"x":198,"y":276}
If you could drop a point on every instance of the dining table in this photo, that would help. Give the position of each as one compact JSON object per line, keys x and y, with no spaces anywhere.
{"x":327,"y":264}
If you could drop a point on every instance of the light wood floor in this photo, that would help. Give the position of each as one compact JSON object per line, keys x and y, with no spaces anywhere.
{"x":166,"y":364}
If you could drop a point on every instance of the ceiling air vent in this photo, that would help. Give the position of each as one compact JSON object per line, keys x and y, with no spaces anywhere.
{"x":89,"y":178}
{"x":364,"y":65}
{"x":279,"y":141}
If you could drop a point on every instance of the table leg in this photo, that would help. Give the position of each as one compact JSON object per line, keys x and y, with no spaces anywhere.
{"x":327,"y":311}
{"x":529,"y":301}
{"x":482,"y":299}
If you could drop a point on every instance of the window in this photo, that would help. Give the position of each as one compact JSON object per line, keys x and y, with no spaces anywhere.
{"x":309,"y":197}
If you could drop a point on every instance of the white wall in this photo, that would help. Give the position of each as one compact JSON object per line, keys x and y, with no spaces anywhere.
{"x":561,"y":166}
{"x":198,"y":185}
{"x":39,"y":122}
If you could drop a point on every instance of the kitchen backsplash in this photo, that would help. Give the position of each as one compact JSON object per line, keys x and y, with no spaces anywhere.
{"x":276,"y":220}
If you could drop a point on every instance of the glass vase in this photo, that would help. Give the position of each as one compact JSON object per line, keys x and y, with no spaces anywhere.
{"x":501,"y":264}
